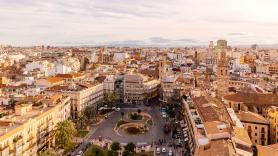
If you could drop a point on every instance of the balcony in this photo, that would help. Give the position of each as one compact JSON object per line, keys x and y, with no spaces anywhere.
{"x":5,"y":147}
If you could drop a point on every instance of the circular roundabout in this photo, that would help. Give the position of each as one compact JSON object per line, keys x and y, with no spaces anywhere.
{"x":134,"y":123}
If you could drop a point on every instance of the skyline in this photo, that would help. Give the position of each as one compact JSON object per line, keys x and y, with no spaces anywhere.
{"x":143,"y":23}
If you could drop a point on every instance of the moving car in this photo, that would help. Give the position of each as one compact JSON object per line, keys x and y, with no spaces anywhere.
{"x":80,"y":153}
{"x":157,"y":150}
{"x":170,"y":152}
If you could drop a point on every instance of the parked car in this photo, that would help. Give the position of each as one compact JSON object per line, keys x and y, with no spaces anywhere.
{"x":164,"y":150}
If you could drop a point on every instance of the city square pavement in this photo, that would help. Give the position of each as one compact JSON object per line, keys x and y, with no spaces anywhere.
{"x":106,"y":131}
{"x":106,"y":128}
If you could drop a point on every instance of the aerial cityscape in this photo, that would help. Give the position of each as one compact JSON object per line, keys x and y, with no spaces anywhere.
{"x":138,"y":78}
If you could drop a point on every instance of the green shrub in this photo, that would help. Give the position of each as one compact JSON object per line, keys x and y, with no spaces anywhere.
{"x":135,"y":116}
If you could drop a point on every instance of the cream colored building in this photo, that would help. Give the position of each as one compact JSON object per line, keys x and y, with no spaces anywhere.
{"x":256,"y":126}
{"x":30,"y":128}
{"x":109,"y":84}
{"x":175,"y":86}
{"x":266,"y":68}
{"x":139,"y":88}
{"x":82,"y":95}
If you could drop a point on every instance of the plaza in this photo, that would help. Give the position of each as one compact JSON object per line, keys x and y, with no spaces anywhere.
{"x":106,"y":129}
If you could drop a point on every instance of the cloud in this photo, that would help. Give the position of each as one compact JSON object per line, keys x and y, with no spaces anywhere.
{"x":126,"y":43}
{"x":159,"y":40}
{"x":237,"y":34}
{"x":159,"y":22}
{"x":187,"y":40}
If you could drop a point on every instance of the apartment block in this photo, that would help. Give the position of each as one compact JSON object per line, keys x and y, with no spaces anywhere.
{"x":30,"y":128}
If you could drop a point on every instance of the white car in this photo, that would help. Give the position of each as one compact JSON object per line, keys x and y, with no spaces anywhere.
{"x":170,"y":152}
{"x":164,"y":115}
{"x":118,"y":109}
{"x":80,"y":153}
{"x":157,"y":150}
{"x":164,"y":150}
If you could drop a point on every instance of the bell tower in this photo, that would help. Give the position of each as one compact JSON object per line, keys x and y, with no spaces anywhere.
{"x":222,"y":74}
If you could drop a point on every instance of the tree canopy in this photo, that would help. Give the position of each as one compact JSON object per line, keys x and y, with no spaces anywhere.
{"x":64,"y":132}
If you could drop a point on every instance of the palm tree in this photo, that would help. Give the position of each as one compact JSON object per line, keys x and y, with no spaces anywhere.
{"x":82,"y":120}
{"x":64,"y":132}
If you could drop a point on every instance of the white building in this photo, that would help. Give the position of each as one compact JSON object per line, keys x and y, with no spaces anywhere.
{"x":120,"y":56}
{"x":109,"y":84}
{"x":139,"y":88}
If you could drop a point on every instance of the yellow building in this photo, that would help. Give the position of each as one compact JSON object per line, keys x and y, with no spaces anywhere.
{"x":30,"y":128}
{"x":272,"y":116}
{"x":270,"y":150}
{"x":248,"y":59}
{"x":4,"y":80}
{"x":273,"y":68}
{"x":256,"y":125}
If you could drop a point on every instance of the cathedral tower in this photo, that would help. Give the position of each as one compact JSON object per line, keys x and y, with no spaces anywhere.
{"x":222,"y":75}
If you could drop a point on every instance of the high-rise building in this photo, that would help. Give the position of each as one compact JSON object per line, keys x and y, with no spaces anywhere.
{"x":222,"y":44}
{"x":100,"y":55}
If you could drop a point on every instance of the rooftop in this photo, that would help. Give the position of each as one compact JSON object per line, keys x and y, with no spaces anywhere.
{"x":70,"y":76}
{"x":253,"y":98}
{"x":54,"y":79}
{"x":73,"y":86}
{"x":251,"y":117}
{"x":206,"y":109}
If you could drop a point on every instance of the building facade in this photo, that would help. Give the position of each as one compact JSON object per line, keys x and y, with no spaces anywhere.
{"x":257,"y":127}
{"x":139,"y":89}
{"x":82,"y":95}
{"x":30,"y":128}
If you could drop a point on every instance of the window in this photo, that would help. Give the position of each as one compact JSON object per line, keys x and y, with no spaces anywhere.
{"x":255,"y":134}
{"x":255,"y":141}
{"x":255,"y":127}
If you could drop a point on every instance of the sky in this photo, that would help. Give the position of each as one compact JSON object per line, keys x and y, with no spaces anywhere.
{"x":138,"y":22}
